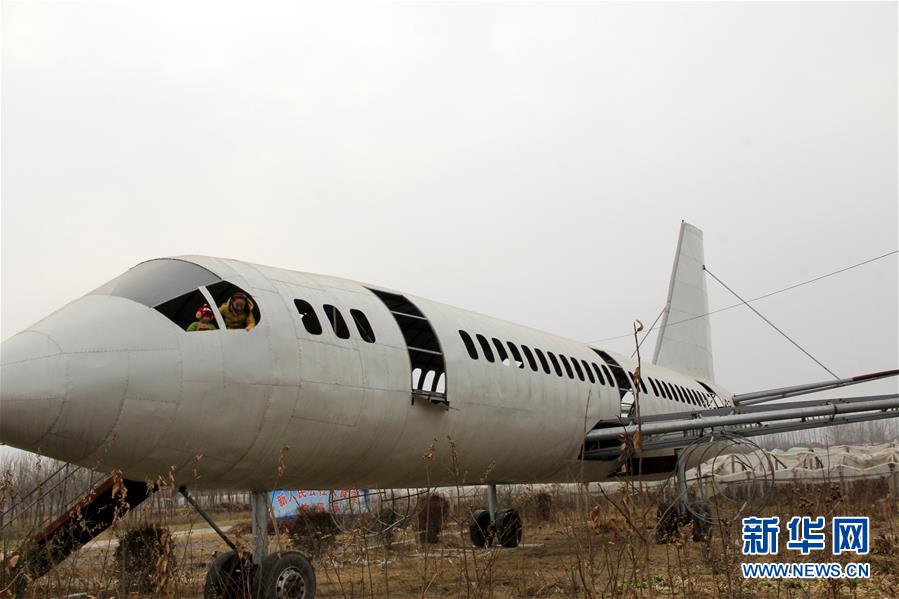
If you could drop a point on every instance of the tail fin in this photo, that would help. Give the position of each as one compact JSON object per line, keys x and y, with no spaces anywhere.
{"x":685,"y":339}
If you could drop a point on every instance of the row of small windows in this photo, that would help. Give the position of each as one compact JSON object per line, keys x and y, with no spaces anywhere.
{"x":678,"y":393}
{"x":572,"y":366}
{"x":335,"y":317}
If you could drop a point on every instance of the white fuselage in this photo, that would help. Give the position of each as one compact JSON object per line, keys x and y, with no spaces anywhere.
{"x":111,"y":383}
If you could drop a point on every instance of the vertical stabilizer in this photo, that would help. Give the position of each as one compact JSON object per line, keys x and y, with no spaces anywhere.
{"x":685,"y":339}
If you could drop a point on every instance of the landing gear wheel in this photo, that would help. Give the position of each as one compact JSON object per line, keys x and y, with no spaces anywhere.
{"x":701,"y":515}
{"x":509,"y":528}
{"x":479,"y":529}
{"x":228,"y":577}
{"x":286,"y":575}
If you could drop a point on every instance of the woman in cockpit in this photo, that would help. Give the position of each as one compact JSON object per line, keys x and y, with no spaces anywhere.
{"x":238,"y":312}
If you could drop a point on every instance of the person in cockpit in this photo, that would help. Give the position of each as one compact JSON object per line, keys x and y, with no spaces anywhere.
{"x":238,"y":312}
{"x":205,"y":320}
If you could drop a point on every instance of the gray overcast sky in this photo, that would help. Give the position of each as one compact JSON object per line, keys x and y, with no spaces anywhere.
{"x":528,"y":161}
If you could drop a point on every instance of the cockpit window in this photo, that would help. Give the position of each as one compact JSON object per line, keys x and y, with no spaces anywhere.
{"x":185,"y":311}
{"x":156,"y":281}
{"x":231,"y":307}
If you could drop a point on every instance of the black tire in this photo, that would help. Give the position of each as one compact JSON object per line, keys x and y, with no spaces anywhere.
{"x":668,"y":522}
{"x":228,"y":577}
{"x":509,"y":528}
{"x":286,"y":575}
{"x":701,"y":516}
{"x":479,"y":529}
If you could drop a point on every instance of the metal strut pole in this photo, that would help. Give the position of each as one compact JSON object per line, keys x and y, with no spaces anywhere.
{"x":491,"y":502}
{"x":205,"y":516}
{"x":681,"y":480}
{"x":259,"y":513}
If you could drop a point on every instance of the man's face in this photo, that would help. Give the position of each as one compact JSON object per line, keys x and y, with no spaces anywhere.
{"x":238,"y":303}
{"x":206,"y":317}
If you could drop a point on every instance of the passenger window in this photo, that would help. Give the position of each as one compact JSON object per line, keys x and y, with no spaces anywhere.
{"x":665,"y":391}
{"x":655,"y":389}
{"x":598,"y":373}
{"x":516,"y":355}
{"x":552,"y":358}
{"x":469,"y":345}
{"x":530,"y":357}
{"x":308,"y":316}
{"x":608,"y":375}
{"x":337,"y":322}
{"x":363,"y":326}
{"x":501,"y":352}
{"x":488,"y":353}
{"x":543,"y":363}
{"x":588,"y":371}
{"x":577,"y":368}
{"x":238,"y":309}
{"x":671,"y":391}
{"x":567,"y":366}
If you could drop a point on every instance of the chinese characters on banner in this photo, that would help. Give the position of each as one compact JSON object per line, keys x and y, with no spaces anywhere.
{"x":286,"y":503}
{"x":806,"y":534}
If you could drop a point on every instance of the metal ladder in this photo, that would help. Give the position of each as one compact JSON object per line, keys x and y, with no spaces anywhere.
{"x":70,"y":507}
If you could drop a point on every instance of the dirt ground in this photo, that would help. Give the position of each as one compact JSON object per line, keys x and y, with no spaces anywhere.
{"x":591,"y":546}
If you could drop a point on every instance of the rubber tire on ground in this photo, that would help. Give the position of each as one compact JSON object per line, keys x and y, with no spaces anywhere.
{"x":226,"y":578}
{"x":509,"y":528}
{"x":701,"y":516}
{"x":479,"y":529}
{"x":668,"y":522}
{"x":279,"y":571}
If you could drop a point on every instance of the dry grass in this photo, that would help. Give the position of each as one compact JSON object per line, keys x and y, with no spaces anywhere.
{"x":577,"y":543}
{"x":592,"y":545}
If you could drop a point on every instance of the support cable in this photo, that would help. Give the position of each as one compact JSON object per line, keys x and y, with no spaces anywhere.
{"x":759,"y":314}
{"x":646,"y":334}
{"x":761,"y":297}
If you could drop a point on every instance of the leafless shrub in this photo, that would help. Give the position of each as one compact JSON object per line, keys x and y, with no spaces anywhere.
{"x":145,"y":558}
{"x":312,"y":531}
{"x":543,"y":503}
{"x":433,"y":509}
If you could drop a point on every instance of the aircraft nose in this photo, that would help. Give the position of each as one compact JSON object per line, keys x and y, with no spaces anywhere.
{"x":32,"y":388}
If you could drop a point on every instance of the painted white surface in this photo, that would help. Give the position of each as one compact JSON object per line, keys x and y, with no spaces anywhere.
{"x":684,"y":342}
{"x":107,"y":382}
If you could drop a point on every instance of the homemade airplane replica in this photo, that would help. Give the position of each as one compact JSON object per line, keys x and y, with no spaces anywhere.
{"x":358,"y":381}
